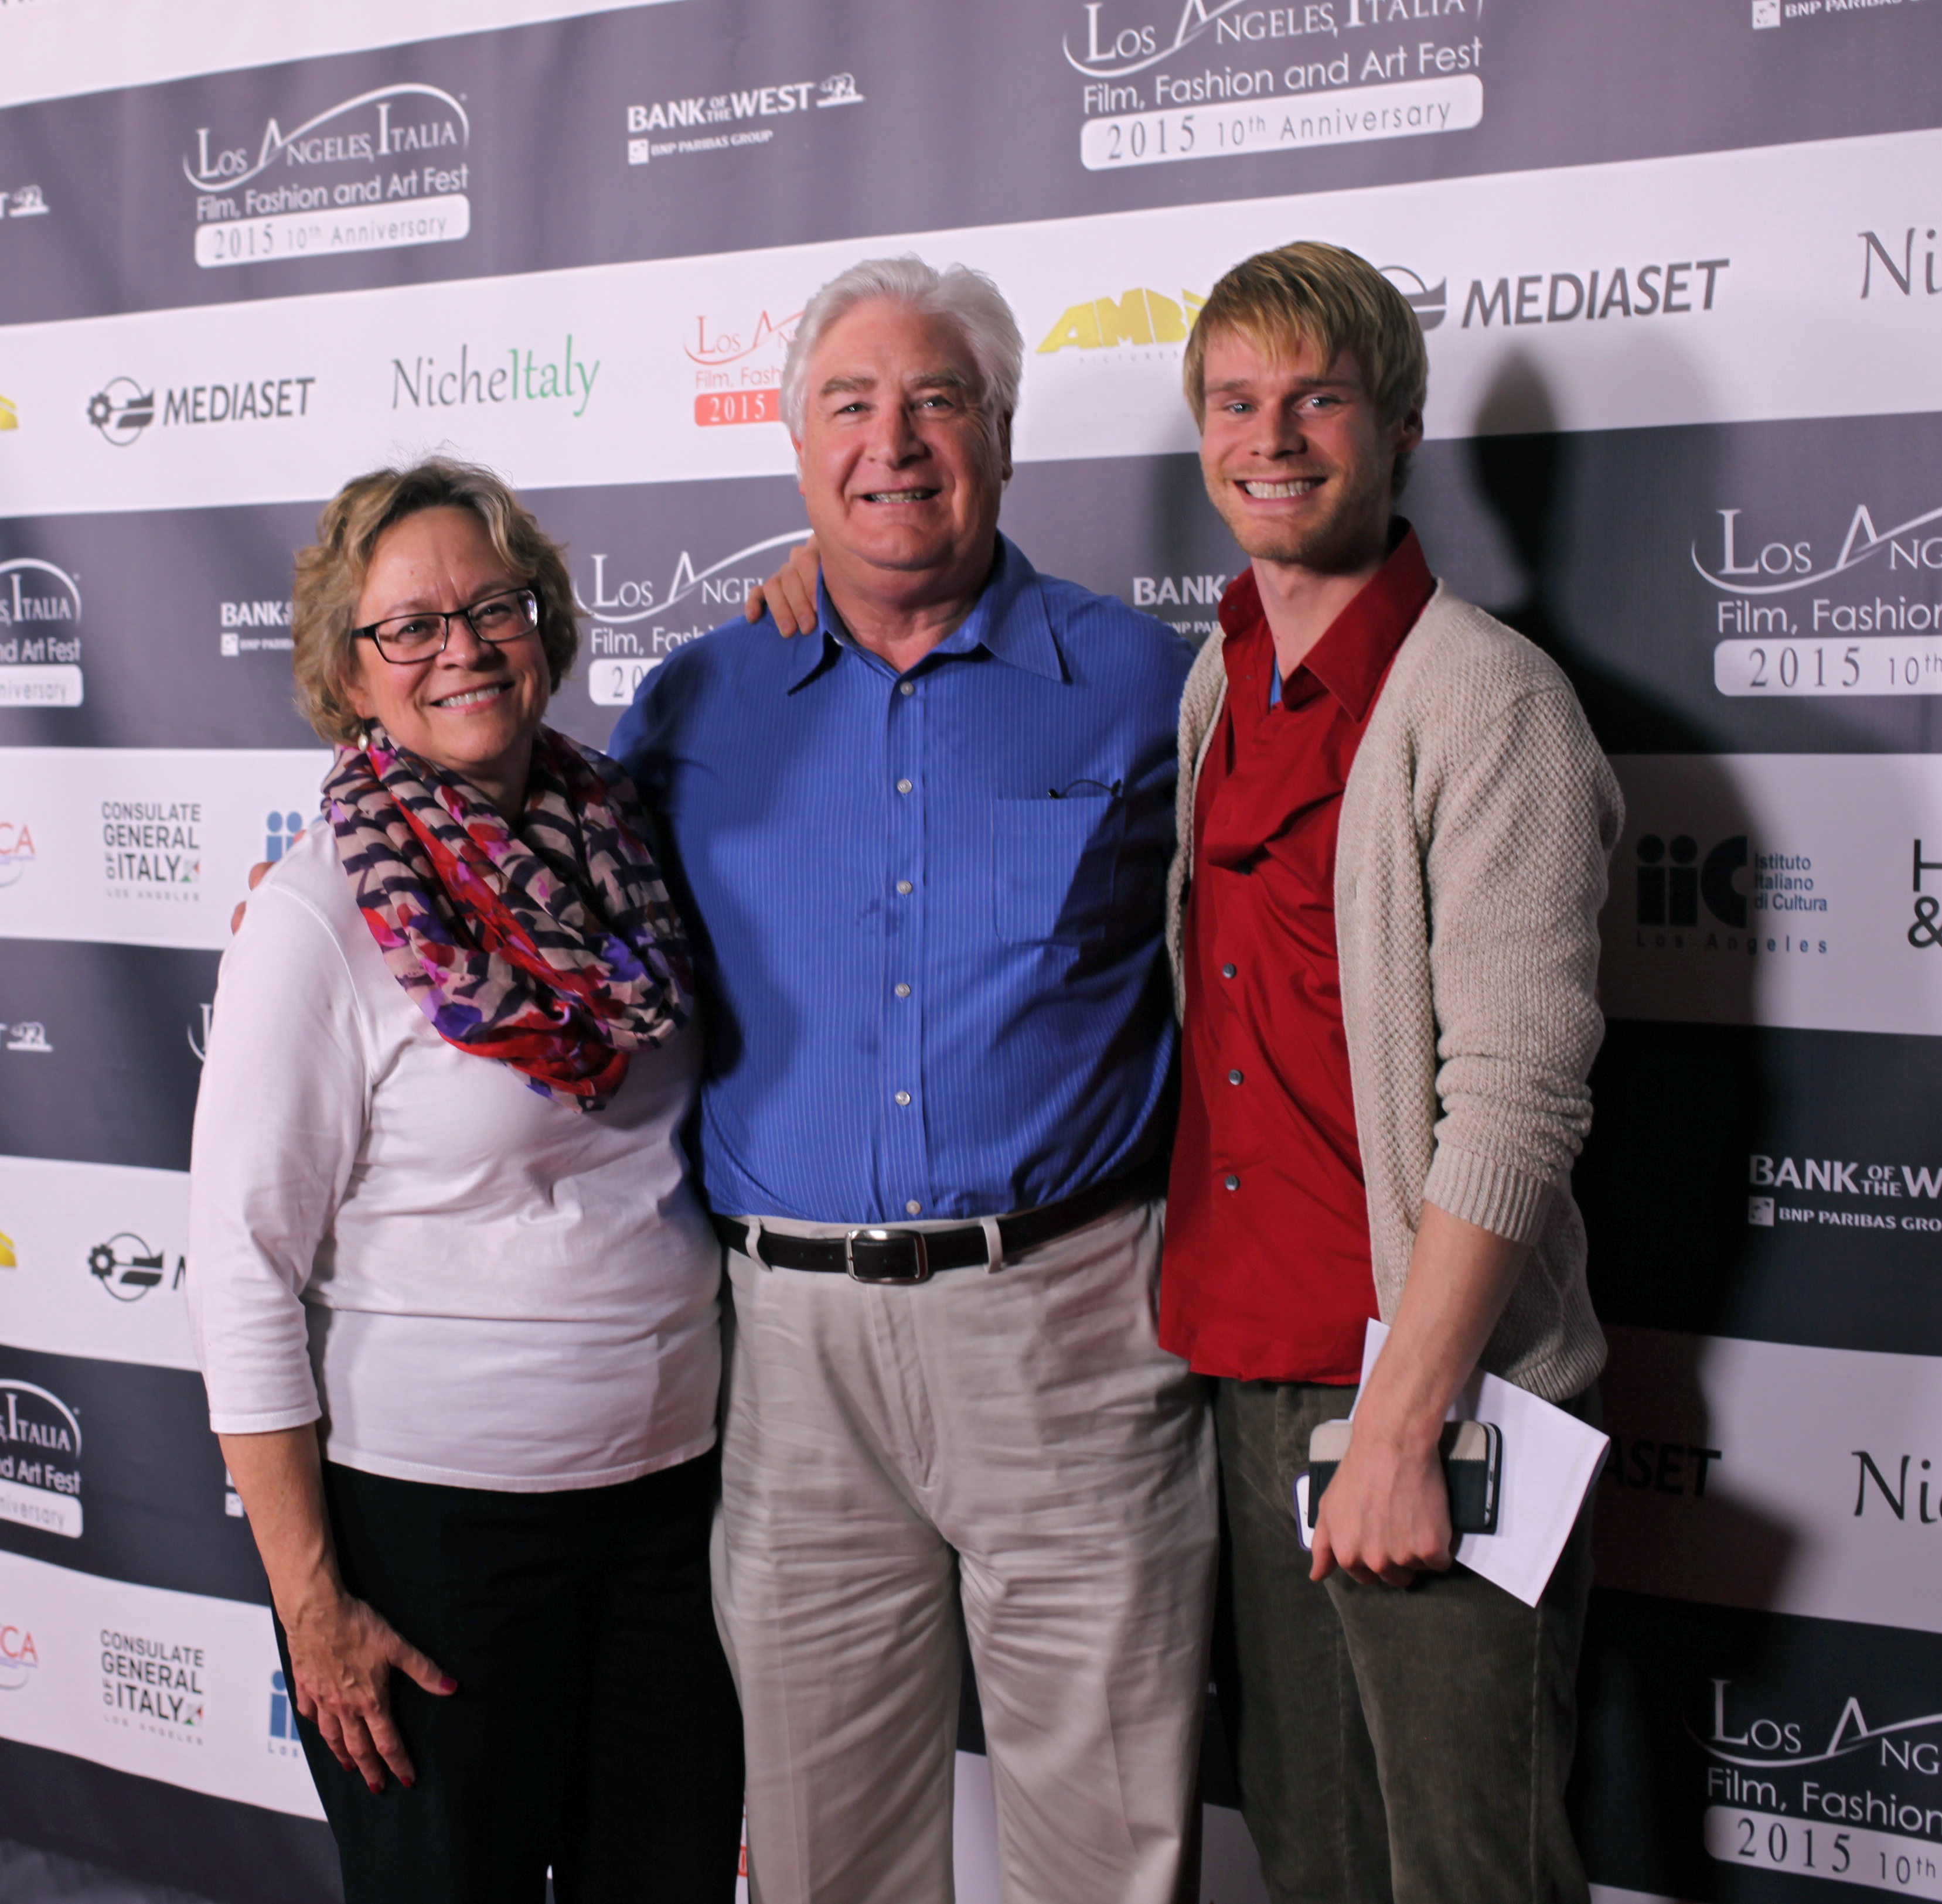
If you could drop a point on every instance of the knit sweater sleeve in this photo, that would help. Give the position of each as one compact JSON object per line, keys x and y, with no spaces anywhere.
{"x":1523,"y":820}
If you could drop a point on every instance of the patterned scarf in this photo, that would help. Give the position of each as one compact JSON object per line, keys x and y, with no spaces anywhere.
{"x":552,"y":946}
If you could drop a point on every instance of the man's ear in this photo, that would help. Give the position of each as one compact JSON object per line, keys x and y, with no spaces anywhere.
{"x":1004,"y":447}
{"x":1409,"y":433}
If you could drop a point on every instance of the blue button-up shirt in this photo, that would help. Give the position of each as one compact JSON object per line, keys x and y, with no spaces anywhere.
{"x":927,"y":908}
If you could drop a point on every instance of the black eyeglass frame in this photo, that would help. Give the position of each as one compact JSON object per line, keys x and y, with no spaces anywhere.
{"x":447,"y":617}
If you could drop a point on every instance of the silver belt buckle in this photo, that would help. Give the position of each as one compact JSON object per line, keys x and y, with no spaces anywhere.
{"x":920,"y":1255}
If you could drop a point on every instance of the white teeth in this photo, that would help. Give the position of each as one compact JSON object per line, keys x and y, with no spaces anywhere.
{"x":899,"y":495}
{"x":473,"y":697}
{"x":1276,"y":492}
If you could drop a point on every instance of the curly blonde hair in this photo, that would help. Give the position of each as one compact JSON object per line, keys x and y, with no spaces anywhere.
{"x":331,"y":573}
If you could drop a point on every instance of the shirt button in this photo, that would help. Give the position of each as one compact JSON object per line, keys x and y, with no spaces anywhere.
{"x":903,"y":991}
{"x":904,"y":885}
{"x":903,"y":786}
{"x":907,"y":687}
{"x":1226,"y":972}
{"x":903,"y":1097}
{"x":1232,"y":1183}
{"x":1233,"y":1077}
{"x":913,"y":1206}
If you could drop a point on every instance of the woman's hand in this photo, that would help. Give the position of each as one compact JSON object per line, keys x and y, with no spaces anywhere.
{"x":789,"y":594}
{"x":342,"y":1654}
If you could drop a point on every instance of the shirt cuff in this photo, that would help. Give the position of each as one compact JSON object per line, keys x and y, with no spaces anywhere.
{"x":269,"y":1421}
{"x":1506,"y":1201}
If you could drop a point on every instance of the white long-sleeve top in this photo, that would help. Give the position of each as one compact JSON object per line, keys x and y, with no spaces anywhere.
{"x":467,"y":1282}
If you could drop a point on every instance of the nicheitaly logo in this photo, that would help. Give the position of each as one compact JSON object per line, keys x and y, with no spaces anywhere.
{"x":40,"y":1460}
{"x":515,"y":374}
{"x":384,"y":169}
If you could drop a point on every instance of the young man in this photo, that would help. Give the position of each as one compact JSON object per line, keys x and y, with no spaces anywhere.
{"x":1394,"y":825}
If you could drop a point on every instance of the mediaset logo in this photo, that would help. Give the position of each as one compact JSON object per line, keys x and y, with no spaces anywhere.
{"x":127,"y":1268}
{"x":1431,"y":302}
{"x":1596,"y":296}
{"x":154,"y":1685}
{"x":624,"y":650}
{"x":20,"y":1656}
{"x":40,"y":1460}
{"x":152,"y":849}
{"x":516,"y":374}
{"x":699,"y":112}
{"x":1137,"y":316}
{"x":122,"y":410}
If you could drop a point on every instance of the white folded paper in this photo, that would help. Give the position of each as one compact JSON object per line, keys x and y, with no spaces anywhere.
{"x":1551,"y":1459}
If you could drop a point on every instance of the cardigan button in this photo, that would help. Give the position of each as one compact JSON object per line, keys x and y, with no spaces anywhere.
{"x":1233,"y":1077}
{"x":1233,"y":1183}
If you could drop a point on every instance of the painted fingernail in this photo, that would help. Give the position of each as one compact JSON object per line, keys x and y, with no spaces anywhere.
{"x":409,"y":1784}
{"x":375,"y":1787}
{"x":448,"y":1684}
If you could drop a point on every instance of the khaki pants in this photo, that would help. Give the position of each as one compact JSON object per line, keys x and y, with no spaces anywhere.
{"x":1010,"y":1448}
{"x":1393,"y":1745}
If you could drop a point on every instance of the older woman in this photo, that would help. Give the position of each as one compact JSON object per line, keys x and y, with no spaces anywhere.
{"x":455,"y":1306}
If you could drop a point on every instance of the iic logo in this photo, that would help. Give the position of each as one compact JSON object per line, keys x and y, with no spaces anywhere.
{"x":1673,"y":880}
{"x":279,"y":834}
{"x":283,"y":1740}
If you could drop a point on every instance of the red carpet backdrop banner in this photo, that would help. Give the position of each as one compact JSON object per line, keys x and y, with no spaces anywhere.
{"x":1676,"y":261}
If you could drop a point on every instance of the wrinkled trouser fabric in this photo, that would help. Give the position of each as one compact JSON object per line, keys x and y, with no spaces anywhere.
{"x":1392,"y":1746}
{"x":1010,"y":1448}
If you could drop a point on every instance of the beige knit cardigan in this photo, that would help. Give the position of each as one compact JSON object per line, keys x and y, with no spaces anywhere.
{"x":1476,"y":825}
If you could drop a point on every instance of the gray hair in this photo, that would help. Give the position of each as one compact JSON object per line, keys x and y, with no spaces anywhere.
{"x":968,"y":298}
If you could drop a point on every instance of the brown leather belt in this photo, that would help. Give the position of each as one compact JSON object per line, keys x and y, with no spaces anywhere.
{"x":871,"y":1253}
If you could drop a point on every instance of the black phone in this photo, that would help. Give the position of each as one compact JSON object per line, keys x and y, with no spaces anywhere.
{"x":1473,"y":1470}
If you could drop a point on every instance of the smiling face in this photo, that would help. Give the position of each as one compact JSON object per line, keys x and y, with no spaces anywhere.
{"x":901,"y":471}
{"x":473,"y":709}
{"x":1296,"y":457}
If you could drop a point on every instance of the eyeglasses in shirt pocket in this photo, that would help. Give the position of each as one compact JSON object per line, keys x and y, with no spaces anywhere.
{"x":1053,"y":863}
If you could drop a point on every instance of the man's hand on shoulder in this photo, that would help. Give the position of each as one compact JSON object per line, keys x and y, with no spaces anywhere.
{"x":256,"y":873}
{"x":789,"y":594}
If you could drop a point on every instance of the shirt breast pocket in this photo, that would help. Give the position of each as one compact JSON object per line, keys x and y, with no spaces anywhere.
{"x":1052,"y":868}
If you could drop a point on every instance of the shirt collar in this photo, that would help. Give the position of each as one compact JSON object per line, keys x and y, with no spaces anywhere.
{"x":1009,"y":621}
{"x":1356,"y":648}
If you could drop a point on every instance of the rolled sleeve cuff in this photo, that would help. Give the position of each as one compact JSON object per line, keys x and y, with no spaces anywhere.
{"x":264,"y":1420}
{"x":1508,"y":1202}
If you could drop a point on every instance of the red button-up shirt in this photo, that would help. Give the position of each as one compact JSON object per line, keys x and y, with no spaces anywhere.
{"x":1267,"y":1273}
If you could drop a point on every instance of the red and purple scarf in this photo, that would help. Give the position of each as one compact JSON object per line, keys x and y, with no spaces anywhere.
{"x":550,"y":946}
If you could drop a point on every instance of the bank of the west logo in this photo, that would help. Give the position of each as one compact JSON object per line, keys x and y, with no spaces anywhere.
{"x":629,"y":636}
{"x":1138,"y":316}
{"x":384,"y":169}
{"x":692,"y":120}
{"x":40,"y":1460}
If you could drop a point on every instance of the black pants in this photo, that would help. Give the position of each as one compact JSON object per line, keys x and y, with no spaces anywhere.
{"x":595,"y":1729}
{"x":1393,"y":1745}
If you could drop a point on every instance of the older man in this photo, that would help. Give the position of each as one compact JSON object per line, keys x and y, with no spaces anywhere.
{"x":924,"y":850}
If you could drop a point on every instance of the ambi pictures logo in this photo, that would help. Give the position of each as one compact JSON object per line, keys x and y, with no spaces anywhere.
{"x":631,"y":634}
{"x":40,"y":1460}
{"x":384,"y":169}
{"x":40,"y":639}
